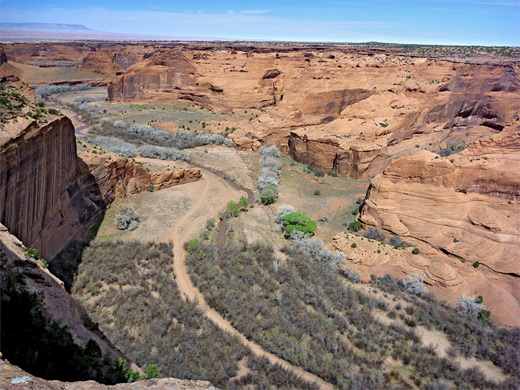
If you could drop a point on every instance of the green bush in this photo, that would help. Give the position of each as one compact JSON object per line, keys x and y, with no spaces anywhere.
{"x":317,"y":192}
{"x":484,"y":315}
{"x":298,"y":221}
{"x":193,"y":244}
{"x":152,"y":371}
{"x":31,"y":252}
{"x":243,"y":202}
{"x":415,"y":251}
{"x":232,"y":208}
{"x":269,"y":194}
{"x":354,"y":226}
{"x":354,"y":245}
{"x":476,"y":264}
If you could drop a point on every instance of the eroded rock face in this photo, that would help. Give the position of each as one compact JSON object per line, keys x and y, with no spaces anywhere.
{"x":37,"y":166}
{"x":335,"y":110}
{"x":460,"y":209}
{"x":103,"y":61}
{"x":121,"y":177}
{"x":49,"y":196}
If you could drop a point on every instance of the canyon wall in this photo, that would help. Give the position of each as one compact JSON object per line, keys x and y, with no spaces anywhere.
{"x":37,"y":165}
{"x":335,"y":110}
{"x":56,"y":304}
{"x":49,"y":196}
{"x":462,"y":213}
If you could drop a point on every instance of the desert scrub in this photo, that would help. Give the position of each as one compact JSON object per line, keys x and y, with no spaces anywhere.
{"x":150,"y":321}
{"x":127,"y":218}
{"x":470,"y":336}
{"x":268,"y":176}
{"x":305,"y":312}
{"x":149,"y":135}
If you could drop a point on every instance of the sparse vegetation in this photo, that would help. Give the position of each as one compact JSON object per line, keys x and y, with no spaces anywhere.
{"x":45,"y":91}
{"x":151,"y":322}
{"x":149,"y":135}
{"x":304,"y":312}
{"x":268,"y":176}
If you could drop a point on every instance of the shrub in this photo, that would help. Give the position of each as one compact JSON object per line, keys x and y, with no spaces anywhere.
{"x":114,"y":145}
{"x":415,"y":251}
{"x":469,"y":306}
{"x":163,"y":153}
{"x":476,"y":264}
{"x":232,"y":208}
{"x":317,"y":192}
{"x":269,"y":194}
{"x":354,"y":245}
{"x":283,"y":210}
{"x":268,"y":176}
{"x":298,"y":221}
{"x":375,"y":234}
{"x":352,"y":274}
{"x":415,"y":285}
{"x":193,"y":244}
{"x":127,"y":218}
{"x":45,"y":91}
{"x":243,"y":202}
{"x":354,"y":226}
{"x":396,"y":241}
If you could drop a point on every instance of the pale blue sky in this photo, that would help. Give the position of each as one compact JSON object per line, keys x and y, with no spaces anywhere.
{"x":463,"y":22}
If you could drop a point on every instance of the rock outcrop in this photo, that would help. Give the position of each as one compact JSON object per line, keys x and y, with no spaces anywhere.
{"x":120,"y":177}
{"x":103,"y":61}
{"x":12,"y":377}
{"x":349,"y":113}
{"x":47,"y":195}
{"x":57,"y":305}
{"x":461,"y":210}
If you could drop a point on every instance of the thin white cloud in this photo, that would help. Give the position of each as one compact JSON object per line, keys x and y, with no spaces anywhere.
{"x":254,"y":11}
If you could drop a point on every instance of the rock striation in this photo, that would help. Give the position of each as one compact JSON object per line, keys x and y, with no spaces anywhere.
{"x":48,"y":196}
{"x":341,"y":111}
{"x":463,"y":210}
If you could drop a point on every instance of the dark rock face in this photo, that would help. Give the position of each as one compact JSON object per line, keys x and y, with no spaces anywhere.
{"x":3,"y":57}
{"x":36,"y":169}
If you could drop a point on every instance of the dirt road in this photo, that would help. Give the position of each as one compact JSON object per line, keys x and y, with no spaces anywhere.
{"x":188,"y":224}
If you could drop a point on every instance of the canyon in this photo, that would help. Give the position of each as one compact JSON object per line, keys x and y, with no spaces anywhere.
{"x":438,"y":139}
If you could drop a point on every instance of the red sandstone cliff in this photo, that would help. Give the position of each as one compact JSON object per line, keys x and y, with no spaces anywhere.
{"x":458,"y":210}
{"x":338,"y":111}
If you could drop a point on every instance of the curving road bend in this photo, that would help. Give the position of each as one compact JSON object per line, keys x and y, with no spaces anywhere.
{"x":190,"y":291}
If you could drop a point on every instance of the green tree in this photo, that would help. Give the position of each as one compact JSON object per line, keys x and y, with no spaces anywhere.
{"x":243,"y":202}
{"x":298,"y":221}
{"x":354,"y":226}
{"x":232,"y":208}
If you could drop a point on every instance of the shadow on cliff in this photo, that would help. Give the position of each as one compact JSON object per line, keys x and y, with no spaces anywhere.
{"x":89,"y":204}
